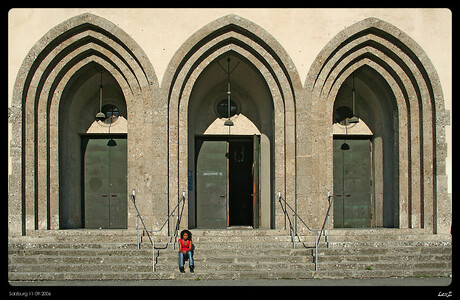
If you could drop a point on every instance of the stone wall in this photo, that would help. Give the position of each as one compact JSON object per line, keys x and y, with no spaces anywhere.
{"x":157,"y":117}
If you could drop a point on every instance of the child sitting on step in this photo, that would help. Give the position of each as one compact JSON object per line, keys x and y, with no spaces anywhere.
{"x":185,"y":250}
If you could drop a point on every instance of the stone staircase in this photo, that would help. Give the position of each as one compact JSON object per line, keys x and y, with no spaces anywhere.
{"x":371,"y":253}
{"x":229,"y":254}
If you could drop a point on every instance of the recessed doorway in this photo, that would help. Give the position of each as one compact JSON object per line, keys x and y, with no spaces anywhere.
{"x":227,"y":187}
{"x":352,"y":183}
{"x":104,"y":182}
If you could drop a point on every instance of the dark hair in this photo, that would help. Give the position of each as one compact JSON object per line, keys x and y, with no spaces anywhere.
{"x":187,"y":232}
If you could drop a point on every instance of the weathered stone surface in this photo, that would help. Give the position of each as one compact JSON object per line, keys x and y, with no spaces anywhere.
{"x":398,"y":93}
{"x":229,"y":254}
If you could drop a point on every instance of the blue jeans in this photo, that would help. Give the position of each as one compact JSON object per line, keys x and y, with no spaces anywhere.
{"x":189,"y":255}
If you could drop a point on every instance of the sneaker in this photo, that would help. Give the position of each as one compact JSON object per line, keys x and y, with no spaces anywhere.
{"x":192,"y":269}
{"x":182,"y":270}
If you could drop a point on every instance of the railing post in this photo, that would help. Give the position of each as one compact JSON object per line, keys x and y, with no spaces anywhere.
{"x":294,"y":230}
{"x":153,"y":252}
{"x":284,"y":209}
{"x":328,"y":224}
{"x":174,"y":230}
{"x":316,"y":251}
{"x":137,"y":227}
{"x":137,"y":221}
{"x":328,"y":232}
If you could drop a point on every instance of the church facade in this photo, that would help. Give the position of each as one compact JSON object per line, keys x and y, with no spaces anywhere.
{"x":230,"y":126}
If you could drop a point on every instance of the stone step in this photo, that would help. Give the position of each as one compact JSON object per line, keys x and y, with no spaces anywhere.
{"x":122,"y":254}
{"x":69,"y":245}
{"x":378,"y":231}
{"x":235,"y":235}
{"x":244,"y":239}
{"x":388,"y":237}
{"x":107,"y":264}
{"x":79,"y":235}
{"x":385,"y":265}
{"x":109,"y":258}
{"x":125,"y":249}
{"x":390,"y":243}
{"x":50,"y":263}
{"x":115,"y":235}
{"x":147,"y":266}
{"x":230,"y":246}
{"x":198,"y":275}
{"x":400,"y":250}
{"x":385,"y":257}
{"x":228,"y":274}
{"x":363,"y":274}
{"x":343,"y":248}
{"x":235,"y":275}
{"x":166,"y":259}
{"x":231,"y":231}
{"x":62,"y":247}
{"x":160,"y":241}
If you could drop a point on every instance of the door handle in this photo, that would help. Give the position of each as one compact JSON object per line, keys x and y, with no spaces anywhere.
{"x":348,"y":195}
{"x":222,"y":196}
{"x":104,"y":195}
{"x":114,"y":195}
{"x":339,"y":195}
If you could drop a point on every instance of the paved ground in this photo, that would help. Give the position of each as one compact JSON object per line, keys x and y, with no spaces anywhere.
{"x":441,"y":282}
{"x":381,"y":288}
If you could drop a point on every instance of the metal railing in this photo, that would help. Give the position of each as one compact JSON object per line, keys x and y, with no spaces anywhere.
{"x":293,"y":225}
{"x":151,"y":233}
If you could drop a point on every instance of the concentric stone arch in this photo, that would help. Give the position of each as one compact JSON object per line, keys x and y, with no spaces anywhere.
{"x":406,"y":68}
{"x":45,"y":72}
{"x":232,"y":33}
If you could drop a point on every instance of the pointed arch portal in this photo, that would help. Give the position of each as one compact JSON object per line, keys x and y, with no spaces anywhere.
{"x":408,"y":99}
{"x":58,"y":95}
{"x":263,"y":87}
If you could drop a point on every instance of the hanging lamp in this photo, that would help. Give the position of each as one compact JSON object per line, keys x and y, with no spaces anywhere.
{"x":228,"y":122}
{"x":100,"y":115}
{"x":111,"y":143}
{"x":354,"y":119}
{"x":345,"y":146}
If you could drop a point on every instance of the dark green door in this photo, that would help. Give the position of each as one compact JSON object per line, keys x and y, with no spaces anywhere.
{"x":352,"y":184}
{"x":211,"y":184}
{"x":105,"y":197}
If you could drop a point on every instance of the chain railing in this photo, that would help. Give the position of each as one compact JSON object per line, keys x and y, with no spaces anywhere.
{"x":293,"y":225}
{"x":151,"y":233}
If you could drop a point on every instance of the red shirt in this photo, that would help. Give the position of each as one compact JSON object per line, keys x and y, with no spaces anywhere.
{"x":186,"y":245}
